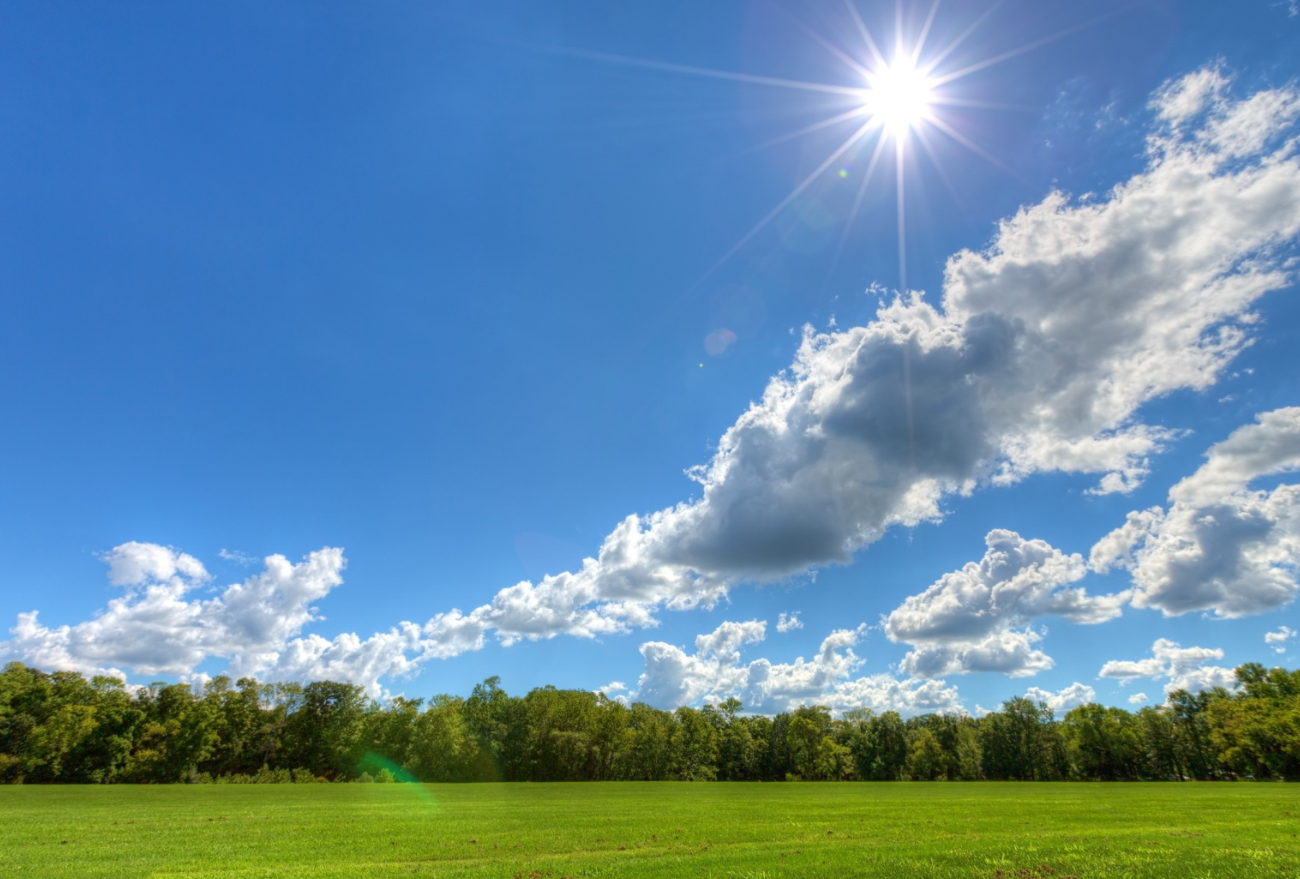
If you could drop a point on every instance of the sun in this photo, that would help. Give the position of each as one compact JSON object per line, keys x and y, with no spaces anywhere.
{"x":895,"y":106}
{"x":899,"y":97}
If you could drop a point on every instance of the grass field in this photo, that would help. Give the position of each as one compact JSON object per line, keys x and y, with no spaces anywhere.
{"x":548,"y":831}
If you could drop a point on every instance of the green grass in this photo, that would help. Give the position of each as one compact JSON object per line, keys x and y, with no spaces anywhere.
{"x":1025,"y":831}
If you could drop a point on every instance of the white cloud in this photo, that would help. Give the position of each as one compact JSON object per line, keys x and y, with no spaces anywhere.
{"x":978,"y":618}
{"x":1220,"y":546}
{"x":1183,"y":99}
{"x":673,"y":677}
{"x":346,"y":657}
{"x":723,"y":643}
{"x":1277,"y":640}
{"x":787,"y":622}
{"x":134,"y":564}
{"x":1060,"y":702}
{"x":1137,"y":698}
{"x":158,"y":627}
{"x":234,"y":555}
{"x":615,"y":691}
{"x":1184,"y":667}
{"x":1010,"y":652}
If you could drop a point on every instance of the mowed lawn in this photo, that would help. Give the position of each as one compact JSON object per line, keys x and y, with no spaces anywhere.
{"x":997,"y":830}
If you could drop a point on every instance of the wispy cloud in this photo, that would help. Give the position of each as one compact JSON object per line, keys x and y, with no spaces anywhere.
{"x":1185,"y":668}
{"x":237,"y":557}
{"x":1277,"y":640}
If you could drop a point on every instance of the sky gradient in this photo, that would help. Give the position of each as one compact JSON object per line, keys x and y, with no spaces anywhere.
{"x":569,"y":343}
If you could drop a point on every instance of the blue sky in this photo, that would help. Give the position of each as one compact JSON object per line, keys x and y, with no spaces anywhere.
{"x":430,"y":299}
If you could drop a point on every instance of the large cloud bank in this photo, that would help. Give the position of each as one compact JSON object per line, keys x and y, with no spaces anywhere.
{"x":1037,"y":356}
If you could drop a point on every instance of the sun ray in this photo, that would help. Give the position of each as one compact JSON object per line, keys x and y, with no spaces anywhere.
{"x":876,"y":56}
{"x":962,"y":37}
{"x":852,"y":63}
{"x":749,"y":78}
{"x":857,"y":205}
{"x":900,"y":173}
{"x":809,"y":129}
{"x":923,"y":138}
{"x":871,"y":168}
{"x":972,"y":146}
{"x":793,"y":194}
{"x":1020,"y":50}
{"x":981,"y":105}
{"x":925,"y":32}
{"x":898,"y":30}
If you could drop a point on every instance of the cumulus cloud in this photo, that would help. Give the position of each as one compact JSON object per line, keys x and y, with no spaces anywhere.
{"x":1277,"y":640}
{"x":159,"y":626}
{"x":787,"y":622}
{"x":1219,"y":546}
{"x":1137,"y":698}
{"x":1184,"y":668}
{"x":135,"y":564}
{"x":714,"y":671}
{"x":1060,"y":702}
{"x":1009,"y":651}
{"x":978,"y":618}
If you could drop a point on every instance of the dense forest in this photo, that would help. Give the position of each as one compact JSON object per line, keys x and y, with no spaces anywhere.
{"x":61,"y":727}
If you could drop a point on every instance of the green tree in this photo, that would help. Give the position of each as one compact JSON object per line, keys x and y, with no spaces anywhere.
{"x":651,"y":757}
{"x":179,"y":732}
{"x":1103,"y":743}
{"x":324,"y":733}
{"x":926,"y":760}
{"x":1022,"y":742}
{"x":442,"y":746}
{"x":1192,"y":731}
{"x":1161,"y":757}
{"x":694,"y":746}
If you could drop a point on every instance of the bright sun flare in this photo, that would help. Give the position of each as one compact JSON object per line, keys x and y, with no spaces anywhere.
{"x":899,"y":97}
{"x":901,"y":104}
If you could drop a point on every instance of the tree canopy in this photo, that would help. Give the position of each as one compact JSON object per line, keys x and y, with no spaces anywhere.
{"x":61,"y":727}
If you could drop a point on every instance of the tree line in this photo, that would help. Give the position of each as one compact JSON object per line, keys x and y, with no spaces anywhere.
{"x":62,"y":727}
